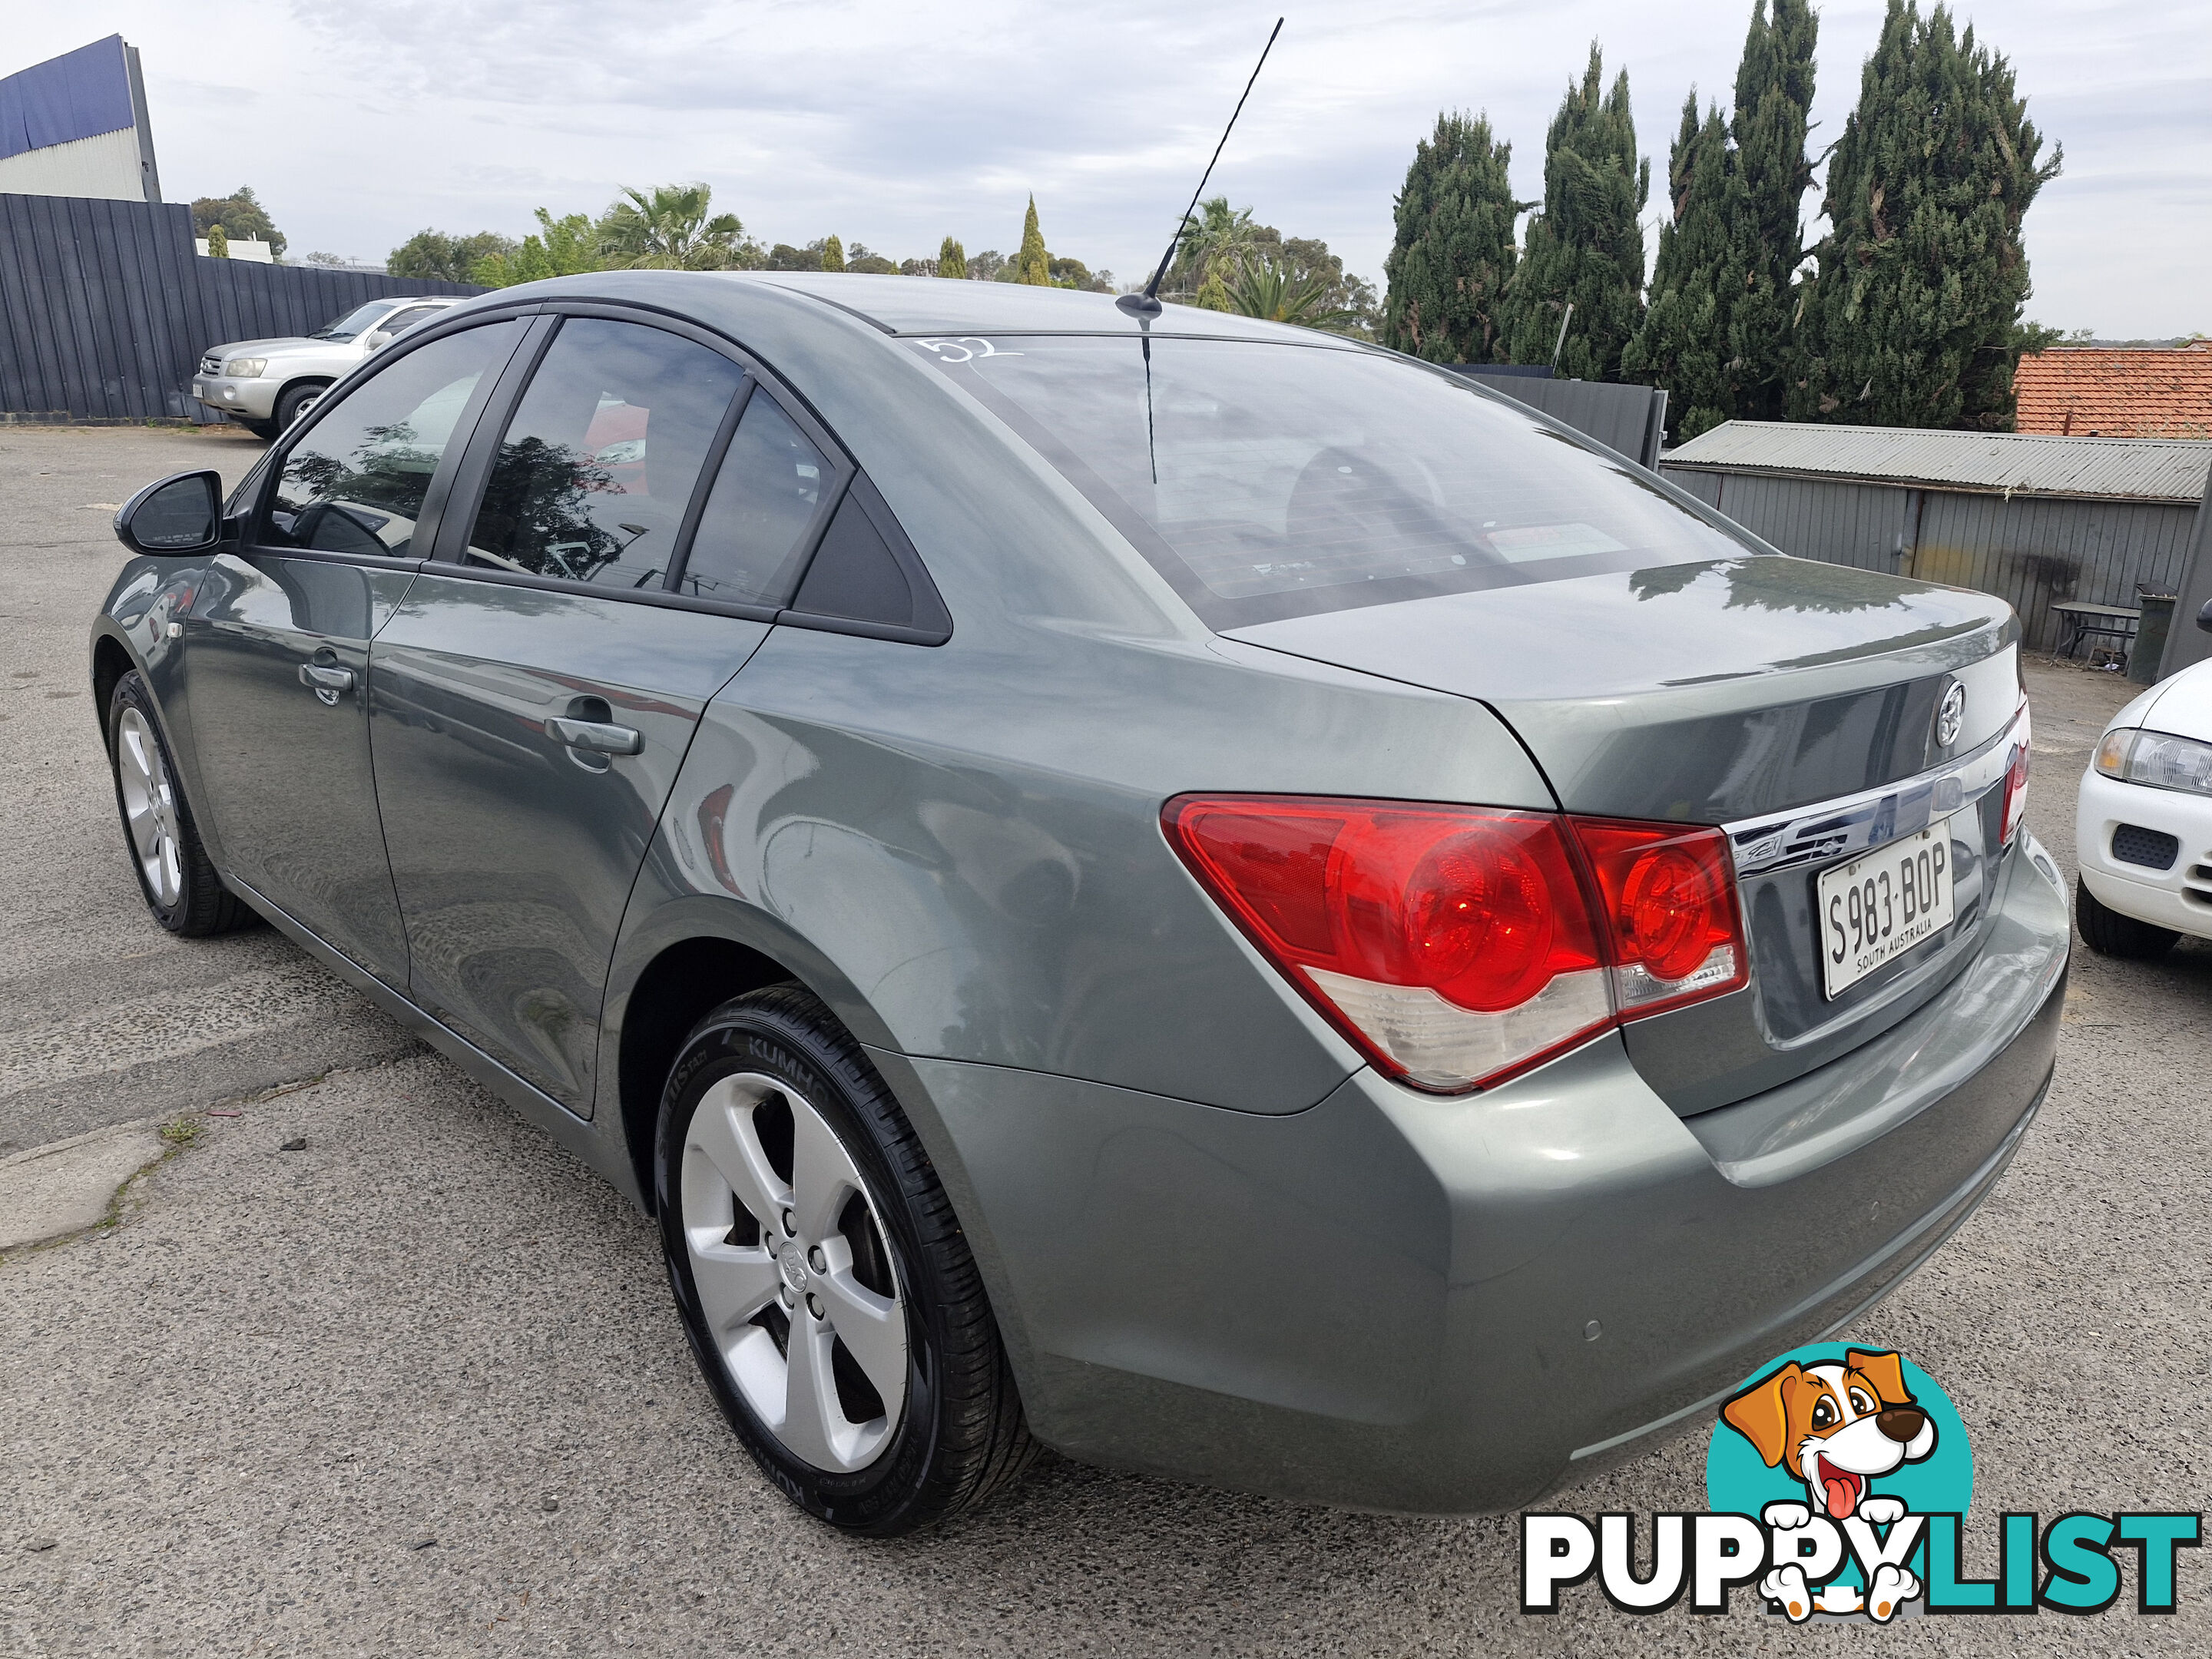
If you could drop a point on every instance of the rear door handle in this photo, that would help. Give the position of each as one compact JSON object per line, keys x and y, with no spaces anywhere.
{"x":326,"y":682}
{"x":592,"y":735}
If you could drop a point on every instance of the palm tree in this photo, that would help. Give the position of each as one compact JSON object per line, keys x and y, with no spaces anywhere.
{"x":1264,"y":284}
{"x":670,"y":230}
{"x":1216,"y":235}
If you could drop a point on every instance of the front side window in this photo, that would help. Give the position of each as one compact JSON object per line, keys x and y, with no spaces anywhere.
{"x":594,"y":471}
{"x":1267,"y":480}
{"x":355,"y":481}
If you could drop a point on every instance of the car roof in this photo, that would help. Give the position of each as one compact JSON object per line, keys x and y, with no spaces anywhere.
{"x":927,"y":305}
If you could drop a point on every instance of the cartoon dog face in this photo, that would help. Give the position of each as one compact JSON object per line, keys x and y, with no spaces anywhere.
{"x":1835,"y":1427}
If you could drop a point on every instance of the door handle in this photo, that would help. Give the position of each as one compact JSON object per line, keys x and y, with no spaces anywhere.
{"x":327,"y":683}
{"x":594,"y":735}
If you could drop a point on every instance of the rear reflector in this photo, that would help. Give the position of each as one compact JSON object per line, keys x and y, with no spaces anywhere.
{"x":1458,"y":945}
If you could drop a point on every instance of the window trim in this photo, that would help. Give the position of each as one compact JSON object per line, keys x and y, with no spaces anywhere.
{"x":252,"y":535}
{"x":447,"y":552}
{"x":480,"y":425}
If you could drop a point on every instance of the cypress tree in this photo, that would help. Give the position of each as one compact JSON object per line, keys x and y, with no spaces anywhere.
{"x":1033,"y":265}
{"x":1913,"y":317}
{"x":218,"y":243}
{"x":1454,"y":250}
{"x":833,"y":255}
{"x":1586,"y":247}
{"x":1717,"y":335}
{"x":1683,"y":343}
{"x":951,"y":260}
{"x":1773,"y":90}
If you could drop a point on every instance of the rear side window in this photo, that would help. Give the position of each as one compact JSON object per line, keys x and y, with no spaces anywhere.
{"x":596,"y":467}
{"x":1267,"y":480}
{"x":355,"y":481}
{"x":766,"y":498}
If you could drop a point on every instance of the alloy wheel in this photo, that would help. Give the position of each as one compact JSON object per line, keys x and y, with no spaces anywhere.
{"x":795,"y":1281}
{"x":149,"y":807}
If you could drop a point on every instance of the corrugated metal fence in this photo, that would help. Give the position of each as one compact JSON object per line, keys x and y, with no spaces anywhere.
{"x":1629,"y":418}
{"x":105,"y":307}
{"x":2031,"y":551}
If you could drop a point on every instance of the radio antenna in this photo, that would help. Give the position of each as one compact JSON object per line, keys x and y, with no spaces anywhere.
{"x":1147,"y":304}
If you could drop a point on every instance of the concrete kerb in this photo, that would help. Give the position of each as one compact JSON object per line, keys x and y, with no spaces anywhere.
{"x":53,"y":1194}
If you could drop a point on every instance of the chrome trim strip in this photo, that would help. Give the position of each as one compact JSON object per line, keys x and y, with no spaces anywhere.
{"x":1820,"y":834}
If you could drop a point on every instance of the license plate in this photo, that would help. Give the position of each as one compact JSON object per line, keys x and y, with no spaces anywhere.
{"x":1875,"y":908}
{"x":199,"y":389}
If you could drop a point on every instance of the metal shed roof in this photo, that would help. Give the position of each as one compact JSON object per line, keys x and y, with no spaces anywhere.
{"x":2010,"y":463}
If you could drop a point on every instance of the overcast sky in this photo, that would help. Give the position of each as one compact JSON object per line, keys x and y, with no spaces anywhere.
{"x":360,"y":122}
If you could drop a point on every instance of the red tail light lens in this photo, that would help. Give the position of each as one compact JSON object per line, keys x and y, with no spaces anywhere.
{"x":2015,"y":783}
{"x":1670,"y":907}
{"x":1458,"y":945}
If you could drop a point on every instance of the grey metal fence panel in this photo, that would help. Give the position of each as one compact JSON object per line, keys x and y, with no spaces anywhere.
{"x":105,"y":307}
{"x":2187,"y":643}
{"x":2031,"y":551}
{"x":1628,"y":418}
{"x":1705,"y":486}
{"x":1840,"y":523}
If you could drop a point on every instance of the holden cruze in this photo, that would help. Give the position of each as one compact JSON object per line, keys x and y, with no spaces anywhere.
{"x":1195,"y":892}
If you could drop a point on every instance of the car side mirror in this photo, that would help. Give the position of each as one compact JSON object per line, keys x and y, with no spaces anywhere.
{"x":377,"y":340}
{"x":175,"y":516}
{"x":2204,"y":617}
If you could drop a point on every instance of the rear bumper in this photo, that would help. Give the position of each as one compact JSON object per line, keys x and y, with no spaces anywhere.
{"x":1396,"y":1302}
{"x":2180,"y":896}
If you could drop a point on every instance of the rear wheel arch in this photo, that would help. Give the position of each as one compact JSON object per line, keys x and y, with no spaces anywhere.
{"x":681,"y":957}
{"x":671,"y":993}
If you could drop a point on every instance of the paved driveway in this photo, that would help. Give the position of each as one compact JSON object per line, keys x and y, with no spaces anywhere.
{"x":413,"y":1389}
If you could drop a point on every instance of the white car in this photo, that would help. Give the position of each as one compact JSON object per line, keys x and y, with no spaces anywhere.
{"x":266,"y":385}
{"x":2142,"y":822}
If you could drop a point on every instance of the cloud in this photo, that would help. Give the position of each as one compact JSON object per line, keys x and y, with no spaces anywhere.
{"x":895,"y":124}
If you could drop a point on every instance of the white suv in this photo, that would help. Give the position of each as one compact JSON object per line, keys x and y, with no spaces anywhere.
{"x":2142,"y":822}
{"x":266,"y":385}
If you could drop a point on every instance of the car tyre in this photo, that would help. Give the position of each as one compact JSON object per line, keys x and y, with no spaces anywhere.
{"x":2109,"y":933}
{"x":174,"y":872}
{"x":297,"y":400}
{"x":785,"y":1167}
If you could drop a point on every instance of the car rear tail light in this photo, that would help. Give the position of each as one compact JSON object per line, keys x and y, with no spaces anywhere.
{"x":1457,"y":946}
{"x":2015,"y":782}
{"x":1670,"y":907}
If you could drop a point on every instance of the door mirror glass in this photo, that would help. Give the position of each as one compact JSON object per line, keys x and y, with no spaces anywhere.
{"x":2204,"y":617}
{"x":177,"y":515}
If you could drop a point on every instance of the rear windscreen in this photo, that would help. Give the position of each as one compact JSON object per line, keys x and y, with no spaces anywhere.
{"x":1268,"y":480}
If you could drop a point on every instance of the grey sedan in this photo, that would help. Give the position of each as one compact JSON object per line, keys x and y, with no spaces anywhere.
{"x":1193,"y":892}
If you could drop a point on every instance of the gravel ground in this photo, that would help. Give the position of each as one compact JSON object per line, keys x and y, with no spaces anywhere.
{"x":413,"y":1388}
{"x":104,"y":1018}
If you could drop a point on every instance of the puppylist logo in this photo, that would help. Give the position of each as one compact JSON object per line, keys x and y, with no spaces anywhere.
{"x":1837,"y":1482}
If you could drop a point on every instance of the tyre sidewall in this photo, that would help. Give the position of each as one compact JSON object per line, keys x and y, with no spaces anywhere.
{"x":875,"y":1499}
{"x":130,"y":692}
{"x":287,"y":405}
